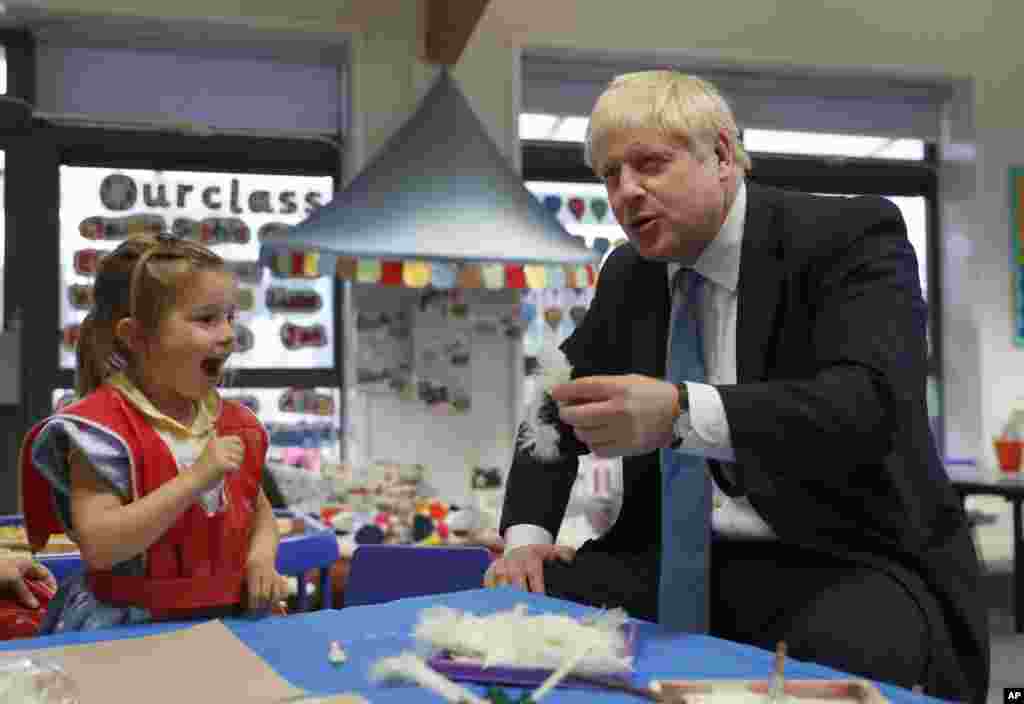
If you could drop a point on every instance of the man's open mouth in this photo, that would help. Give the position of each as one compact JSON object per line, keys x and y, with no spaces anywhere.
{"x":642,"y":222}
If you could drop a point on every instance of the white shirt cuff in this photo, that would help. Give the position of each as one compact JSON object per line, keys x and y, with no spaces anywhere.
{"x":708,"y":432}
{"x":526,"y":534}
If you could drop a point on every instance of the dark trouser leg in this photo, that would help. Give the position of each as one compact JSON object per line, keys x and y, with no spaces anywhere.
{"x":846,"y":616}
{"x":606,"y":580}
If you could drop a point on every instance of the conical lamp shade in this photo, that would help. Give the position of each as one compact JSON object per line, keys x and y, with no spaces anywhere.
{"x":438,"y":190}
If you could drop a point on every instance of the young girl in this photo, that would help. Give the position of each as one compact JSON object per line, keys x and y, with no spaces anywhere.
{"x":155,"y":477}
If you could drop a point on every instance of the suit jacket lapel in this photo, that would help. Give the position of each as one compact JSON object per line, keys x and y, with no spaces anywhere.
{"x":651,"y":317}
{"x":761,"y":284}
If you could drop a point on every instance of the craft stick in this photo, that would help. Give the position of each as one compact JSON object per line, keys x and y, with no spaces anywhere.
{"x":558,"y":675}
{"x":409,"y":666}
{"x":615,"y":685}
{"x":777,"y":690}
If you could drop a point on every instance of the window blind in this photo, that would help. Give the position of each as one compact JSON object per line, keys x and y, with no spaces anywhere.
{"x":815,"y":100}
{"x":229,"y":92}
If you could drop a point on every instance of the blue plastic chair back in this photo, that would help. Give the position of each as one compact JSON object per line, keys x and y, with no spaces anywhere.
{"x":382,"y":573}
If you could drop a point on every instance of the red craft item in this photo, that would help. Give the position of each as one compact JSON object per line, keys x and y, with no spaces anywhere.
{"x":1009,"y":452}
{"x":20,"y":621}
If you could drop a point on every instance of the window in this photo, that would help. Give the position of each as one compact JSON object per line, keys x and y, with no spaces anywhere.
{"x":224,"y":190}
{"x":823,"y":144}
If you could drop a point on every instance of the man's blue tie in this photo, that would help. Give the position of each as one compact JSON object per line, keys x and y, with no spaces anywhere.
{"x":685,"y":486}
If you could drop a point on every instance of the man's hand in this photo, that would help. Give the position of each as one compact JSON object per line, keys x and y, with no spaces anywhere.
{"x":619,"y":416}
{"x":523,"y":567}
{"x":14,"y":570}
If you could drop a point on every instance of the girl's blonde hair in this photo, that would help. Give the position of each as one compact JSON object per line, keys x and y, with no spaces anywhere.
{"x":143,"y":279}
{"x":680,"y":105}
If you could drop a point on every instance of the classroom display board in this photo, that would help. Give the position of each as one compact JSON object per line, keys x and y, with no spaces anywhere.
{"x":285,"y":318}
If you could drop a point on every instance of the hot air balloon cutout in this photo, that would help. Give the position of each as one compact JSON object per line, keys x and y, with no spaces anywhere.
{"x":552,"y":203}
{"x":553,"y":317}
{"x":578,"y":207}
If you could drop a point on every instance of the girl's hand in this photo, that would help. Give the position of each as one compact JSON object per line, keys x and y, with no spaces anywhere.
{"x":17,"y":569}
{"x":220,"y":456}
{"x":265,"y":588}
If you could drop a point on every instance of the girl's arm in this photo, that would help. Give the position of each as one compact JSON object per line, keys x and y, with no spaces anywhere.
{"x":264,"y":540}
{"x":108,"y":531}
{"x":264,"y":586}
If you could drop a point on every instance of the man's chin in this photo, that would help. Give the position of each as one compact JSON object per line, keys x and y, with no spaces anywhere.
{"x":655,"y":251}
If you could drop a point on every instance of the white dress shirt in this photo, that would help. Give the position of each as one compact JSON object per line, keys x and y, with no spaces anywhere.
{"x":708,"y":434}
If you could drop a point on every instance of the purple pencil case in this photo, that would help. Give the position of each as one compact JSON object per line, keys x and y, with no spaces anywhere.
{"x":466,"y":669}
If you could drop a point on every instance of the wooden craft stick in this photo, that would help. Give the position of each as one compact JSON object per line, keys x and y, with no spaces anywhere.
{"x":777,"y":689}
{"x":558,"y":675}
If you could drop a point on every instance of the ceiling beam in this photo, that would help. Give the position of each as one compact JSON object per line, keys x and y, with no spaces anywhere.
{"x":446,"y":27}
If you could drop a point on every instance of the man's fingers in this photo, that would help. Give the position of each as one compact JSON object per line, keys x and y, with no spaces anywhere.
{"x":599,"y":435}
{"x":495,"y":575}
{"x":591,"y":414}
{"x":587,"y":388}
{"x":535,"y":576}
{"x":565,"y":553}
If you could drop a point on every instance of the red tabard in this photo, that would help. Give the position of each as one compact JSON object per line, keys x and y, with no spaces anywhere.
{"x":199,"y":563}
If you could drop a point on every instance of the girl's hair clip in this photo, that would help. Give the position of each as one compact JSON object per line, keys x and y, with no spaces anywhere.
{"x":168,"y":238}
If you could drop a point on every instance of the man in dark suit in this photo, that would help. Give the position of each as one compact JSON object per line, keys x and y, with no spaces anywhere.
{"x":835,"y":528}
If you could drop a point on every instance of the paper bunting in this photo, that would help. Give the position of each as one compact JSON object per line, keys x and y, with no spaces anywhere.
{"x":368,"y":271}
{"x":390,"y":273}
{"x":536,"y":276}
{"x":514,"y":276}
{"x":416,"y":273}
{"x":445,"y":275}
{"x":493,"y":276}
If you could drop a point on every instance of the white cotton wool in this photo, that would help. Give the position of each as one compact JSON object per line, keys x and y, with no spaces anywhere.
{"x":540,"y":436}
{"x":515,"y":638}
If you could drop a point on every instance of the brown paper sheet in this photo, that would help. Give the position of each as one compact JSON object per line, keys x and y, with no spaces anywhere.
{"x":203,"y":663}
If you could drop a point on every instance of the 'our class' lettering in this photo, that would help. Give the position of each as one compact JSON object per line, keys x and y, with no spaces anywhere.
{"x":120,"y":192}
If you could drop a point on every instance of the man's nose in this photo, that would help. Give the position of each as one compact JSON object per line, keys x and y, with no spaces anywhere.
{"x":630,"y":185}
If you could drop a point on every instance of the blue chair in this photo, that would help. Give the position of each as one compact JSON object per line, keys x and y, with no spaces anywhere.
{"x":381,"y":573}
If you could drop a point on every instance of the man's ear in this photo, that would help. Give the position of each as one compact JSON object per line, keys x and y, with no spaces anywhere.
{"x":128,"y":332}
{"x":724,"y":147}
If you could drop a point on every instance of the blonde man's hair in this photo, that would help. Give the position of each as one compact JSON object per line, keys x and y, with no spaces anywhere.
{"x":680,"y":105}
{"x":143,"y":278}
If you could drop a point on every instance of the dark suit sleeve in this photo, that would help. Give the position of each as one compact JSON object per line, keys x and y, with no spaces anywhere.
{"x":859,"y":341}
{"x":537,"y":492}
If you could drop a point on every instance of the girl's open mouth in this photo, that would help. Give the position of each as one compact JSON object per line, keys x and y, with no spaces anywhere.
{"x":214,"y":366}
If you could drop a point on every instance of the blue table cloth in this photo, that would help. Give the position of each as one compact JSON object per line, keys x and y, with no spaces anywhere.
{"x":296,"y":647}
